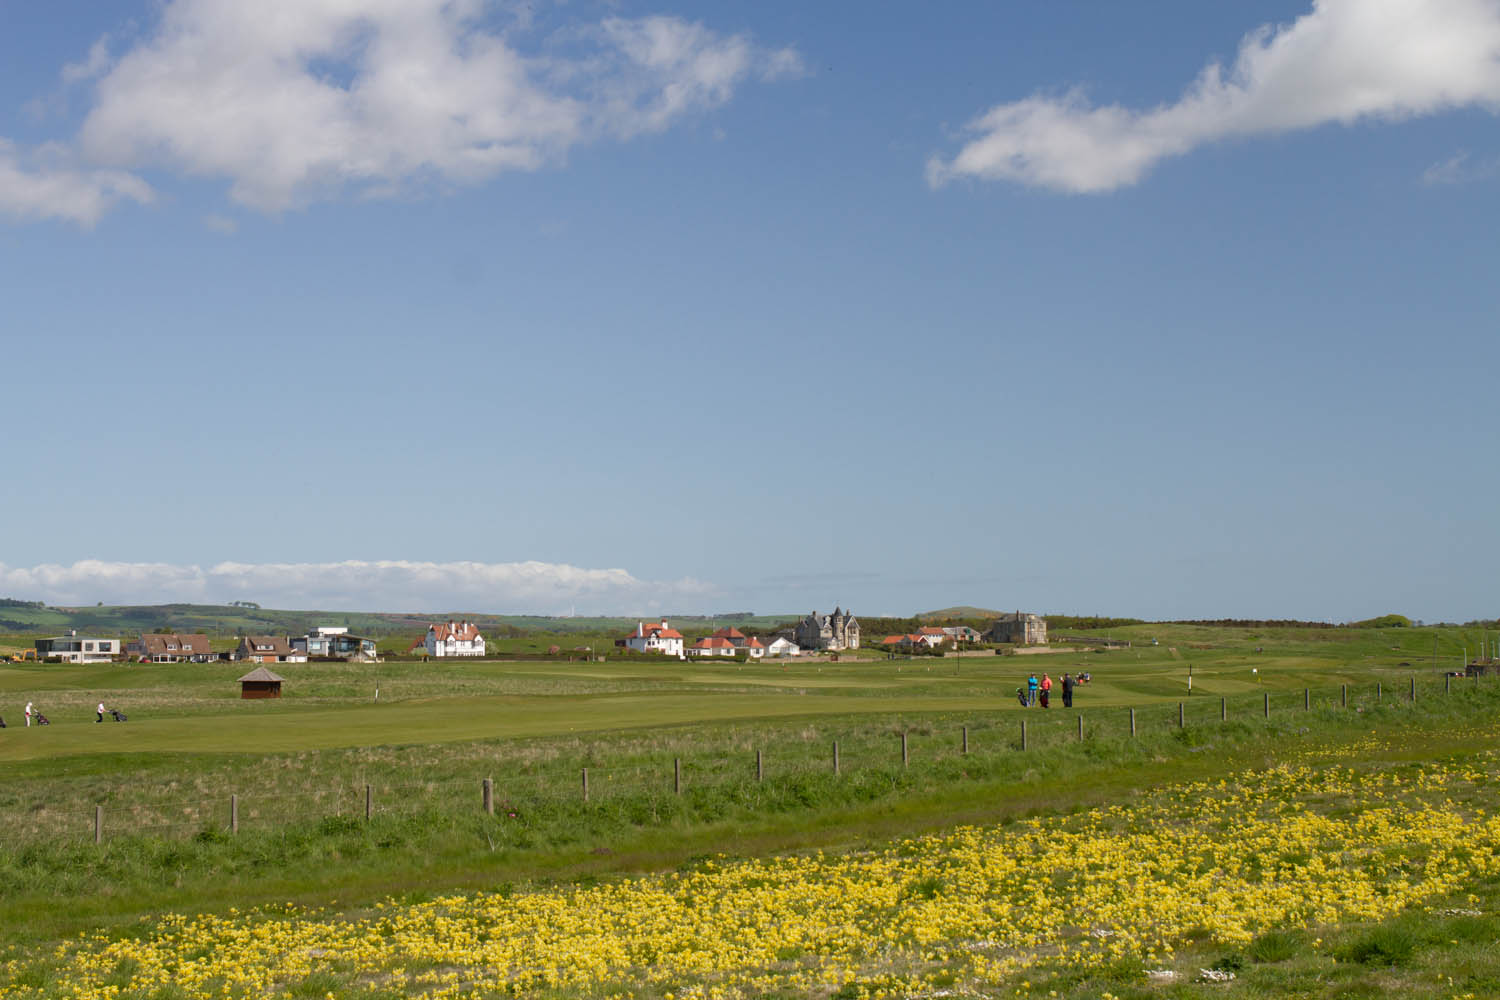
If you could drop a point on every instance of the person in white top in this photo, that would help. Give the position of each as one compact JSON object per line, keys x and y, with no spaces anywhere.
{"x":28,"y":715}
{"x":101,"y":712}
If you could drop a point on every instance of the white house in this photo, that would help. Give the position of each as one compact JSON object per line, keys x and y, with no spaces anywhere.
{"x":722,"y":644}
{"x":335,"y":642}
{"x":782,"y":646}
{"x":454,"y":639}
{"x":75,"y":648}
{"x":658,"y":637}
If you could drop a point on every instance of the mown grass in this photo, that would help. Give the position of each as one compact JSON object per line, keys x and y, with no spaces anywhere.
{"x":300,"y":768}
{"x":432,"y":832}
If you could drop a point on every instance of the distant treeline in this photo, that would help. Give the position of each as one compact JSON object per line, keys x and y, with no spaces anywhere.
{"x":1251,"y":623}
{"x":11,"y":602}
{"x":1093,"y":621}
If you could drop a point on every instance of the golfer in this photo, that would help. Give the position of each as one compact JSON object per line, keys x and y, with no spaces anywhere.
{"x":101,"y":712}
{"x":28,"y":715}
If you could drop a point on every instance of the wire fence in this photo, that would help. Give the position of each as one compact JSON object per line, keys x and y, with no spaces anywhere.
{"x":518,"y":787}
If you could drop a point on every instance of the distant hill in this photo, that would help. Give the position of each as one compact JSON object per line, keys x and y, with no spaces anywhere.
{"x":961,"y":611}
{"x":35,"y":618}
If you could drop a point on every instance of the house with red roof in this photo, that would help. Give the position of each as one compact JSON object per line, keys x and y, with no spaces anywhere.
{"x":922,"y":637}
{"x":452,"y":638}
{"x":713,"y":645}
{"x":658,"y":637}
{"x":739,"y":640}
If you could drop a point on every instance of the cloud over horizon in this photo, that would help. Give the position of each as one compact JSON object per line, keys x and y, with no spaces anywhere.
{"x":1345,"y":61}
{"x":295,"y":101}
{"x":356,"y":585}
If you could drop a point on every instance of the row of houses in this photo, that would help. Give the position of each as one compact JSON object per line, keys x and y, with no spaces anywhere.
{"x":170,"y":647}
{"x":1021,"y":629}
{"x":814,"y":633}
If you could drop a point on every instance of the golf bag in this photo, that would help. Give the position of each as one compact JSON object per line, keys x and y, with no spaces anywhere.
{"x":119,"y":715}
{"x":42,"y":720}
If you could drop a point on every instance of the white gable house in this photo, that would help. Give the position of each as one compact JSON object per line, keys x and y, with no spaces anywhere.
{"x":658,"y":637}
{"x":454,"y":639}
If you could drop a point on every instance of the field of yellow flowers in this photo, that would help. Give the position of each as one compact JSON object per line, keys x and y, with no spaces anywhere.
{"x":974,"y":910}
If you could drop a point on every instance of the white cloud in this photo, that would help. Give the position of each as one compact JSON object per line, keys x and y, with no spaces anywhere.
{"x":1344,"y":61}
{"x":666,"y":67}
{"x":1461,"y":169}
{"x":221,"y":224}
{"x":385,"y":585}
{"x":96,"y":63}
{"x":296,"y":100}
{"x":46,"y":183}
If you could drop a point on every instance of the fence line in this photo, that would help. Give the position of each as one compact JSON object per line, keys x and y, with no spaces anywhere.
{"x":562,"y":781}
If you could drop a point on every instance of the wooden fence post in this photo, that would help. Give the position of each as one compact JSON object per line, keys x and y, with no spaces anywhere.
{"x":905,"y":757}
{"x":1306,"y":699}
{"x":677,"y":775}
{"x":835,"y":757}
{"x":1267,"y":697}
{"x":1180,"y":719}
{"x":1080,"y":727}
{"x":234,"y":814}
{"x":1223,"y":709}
{"x":98,"y":824}
{"x":1413,"y":687}
{"x":1377,"y":690}
{"x":369,"y":803}
{"x":965,"y":747}
{"x":760,"y":767}
{"x":1023,"y":734}
{"x":487,"y":795}
{"x":1132,"y":723}
{"x":585,"y":784}
{"x":1344,"y":695}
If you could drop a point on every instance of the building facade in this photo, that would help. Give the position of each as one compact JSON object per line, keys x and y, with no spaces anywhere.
{"x":335,"y":643}
{"x":167,"y":647}
{"x":839,"y":630}
{"x":658,"y":637}
{"x":75,"y":648}
{"x":453,"y":639}
{"x":1021,"y":629}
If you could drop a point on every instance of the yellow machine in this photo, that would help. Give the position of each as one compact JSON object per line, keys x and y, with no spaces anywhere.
{"x":22,"y":657}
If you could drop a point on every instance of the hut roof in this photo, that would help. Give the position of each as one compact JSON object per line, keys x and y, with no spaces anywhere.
{"x":260,"y":674}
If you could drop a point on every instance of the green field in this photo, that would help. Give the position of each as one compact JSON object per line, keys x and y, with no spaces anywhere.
{"x":670,"y":749}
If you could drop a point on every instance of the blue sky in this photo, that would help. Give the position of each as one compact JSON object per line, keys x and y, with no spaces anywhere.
{"x":641,"y":307}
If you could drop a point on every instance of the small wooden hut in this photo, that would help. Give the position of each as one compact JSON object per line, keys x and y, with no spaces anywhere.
{"x":260,"y":683}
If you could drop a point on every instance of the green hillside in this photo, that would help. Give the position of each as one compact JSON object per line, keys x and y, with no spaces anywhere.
{"x":959,"y":613}
{"x":34,"y":618}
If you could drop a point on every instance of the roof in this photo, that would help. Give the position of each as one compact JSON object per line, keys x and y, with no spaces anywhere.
{"x":729,"y":633}
{"x":656,"y":630}
{"x":930,"y":630}
{"x":713,"y":642}
{"x":462,"y":631}
{"x":156,"y":643}
{"x":754,"y":643}
{"x":262,"y":675}
{"x":278,"y":644}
